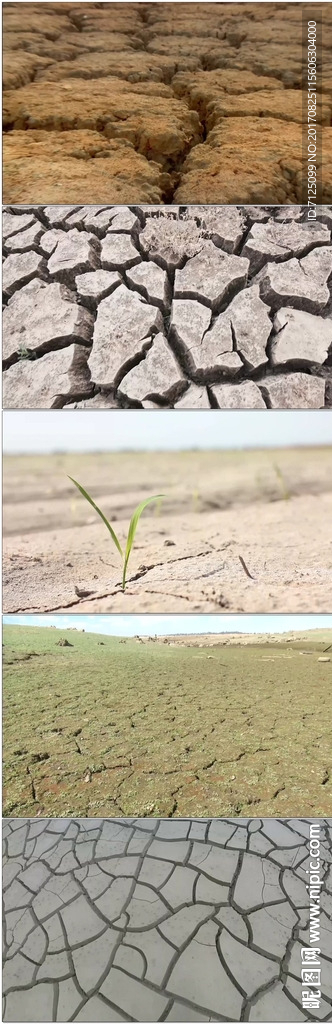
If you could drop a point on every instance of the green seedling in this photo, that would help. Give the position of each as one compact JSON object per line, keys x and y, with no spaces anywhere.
{"x":282,"y":481}
{"x":125,"y":555}
{"x":73,"y":506}
{"x":158,"y":506}
{"x":195,"y":500}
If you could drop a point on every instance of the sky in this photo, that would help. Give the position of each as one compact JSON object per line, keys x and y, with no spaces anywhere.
{"x":61,"y":431}
{"x":165,"y":625}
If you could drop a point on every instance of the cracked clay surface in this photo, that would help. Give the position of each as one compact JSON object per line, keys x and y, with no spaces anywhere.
{"x":273,"y":509}
{"x":151,"y":920}
{"x":186,"y":308}
{"x":167,"y":727}
{"x":159,"y":102}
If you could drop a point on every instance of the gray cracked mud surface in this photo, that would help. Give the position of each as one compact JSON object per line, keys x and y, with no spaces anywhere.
{"x":186,"y":308}
{"x":272,"y":509}
{"x":159,"y":102}
{"x":148,"y":919}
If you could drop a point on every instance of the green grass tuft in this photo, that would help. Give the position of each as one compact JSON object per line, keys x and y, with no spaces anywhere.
{"x":280,"y":476}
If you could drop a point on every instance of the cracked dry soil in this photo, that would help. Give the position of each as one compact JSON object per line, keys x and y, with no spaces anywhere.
{"x":193,"y":103}
{"x":153,"y":727}
{"x":270,"y":508}
{"x":184,"y":307}
{"x":140,"y":920}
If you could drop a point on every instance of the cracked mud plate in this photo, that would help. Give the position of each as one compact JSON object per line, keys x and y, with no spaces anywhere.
{"x":186,"y":308}
{"x":131,"y":919}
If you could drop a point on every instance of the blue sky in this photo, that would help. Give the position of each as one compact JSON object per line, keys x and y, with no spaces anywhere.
{"x":148,"y":625}
{"x":41,"y":432}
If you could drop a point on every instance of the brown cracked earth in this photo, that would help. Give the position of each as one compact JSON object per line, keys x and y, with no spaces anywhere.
{"x":97,"y":725}
{"x":272,"y":509}
{"x":159,"y":102}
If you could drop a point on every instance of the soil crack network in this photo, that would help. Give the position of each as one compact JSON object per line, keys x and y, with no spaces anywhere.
{"x":158,"y":103}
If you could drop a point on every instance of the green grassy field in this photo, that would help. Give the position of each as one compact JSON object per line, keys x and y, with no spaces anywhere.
{"x":109,"y":727}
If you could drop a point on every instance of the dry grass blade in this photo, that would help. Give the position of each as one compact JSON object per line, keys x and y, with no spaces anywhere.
{"x":245,"y":567}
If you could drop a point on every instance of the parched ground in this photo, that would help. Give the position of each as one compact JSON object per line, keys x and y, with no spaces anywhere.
{"x":272,"y":509}
{"x":105,"y":726}
{"x":185,"y":307}
{"x":192,"y":103}
{"x":141,"y":920}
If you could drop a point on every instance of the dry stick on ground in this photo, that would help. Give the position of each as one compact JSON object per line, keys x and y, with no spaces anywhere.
{"x":246,"y":569}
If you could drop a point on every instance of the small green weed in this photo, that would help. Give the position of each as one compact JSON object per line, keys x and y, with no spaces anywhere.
{"x":195,"y":500}
{"x":158,"y":505}
{"x":284,"y":489}
{"x":25,"y":353}
{"x":125,"y":555}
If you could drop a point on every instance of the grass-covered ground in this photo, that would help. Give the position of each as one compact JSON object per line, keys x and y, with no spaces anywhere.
{"x":109,"y":726}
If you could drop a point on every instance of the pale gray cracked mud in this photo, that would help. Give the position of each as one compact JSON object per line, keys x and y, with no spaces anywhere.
{"x":179,"y":307}
{"x":157,"y":920}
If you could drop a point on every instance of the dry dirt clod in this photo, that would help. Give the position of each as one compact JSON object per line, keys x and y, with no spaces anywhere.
{"x":83,"y":593}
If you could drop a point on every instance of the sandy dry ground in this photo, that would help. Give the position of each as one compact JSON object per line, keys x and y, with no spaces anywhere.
{"x":192,"y":308}
{"x":271,"y":509}
{"x":131,"y":920}
{"x":159,"y":102}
